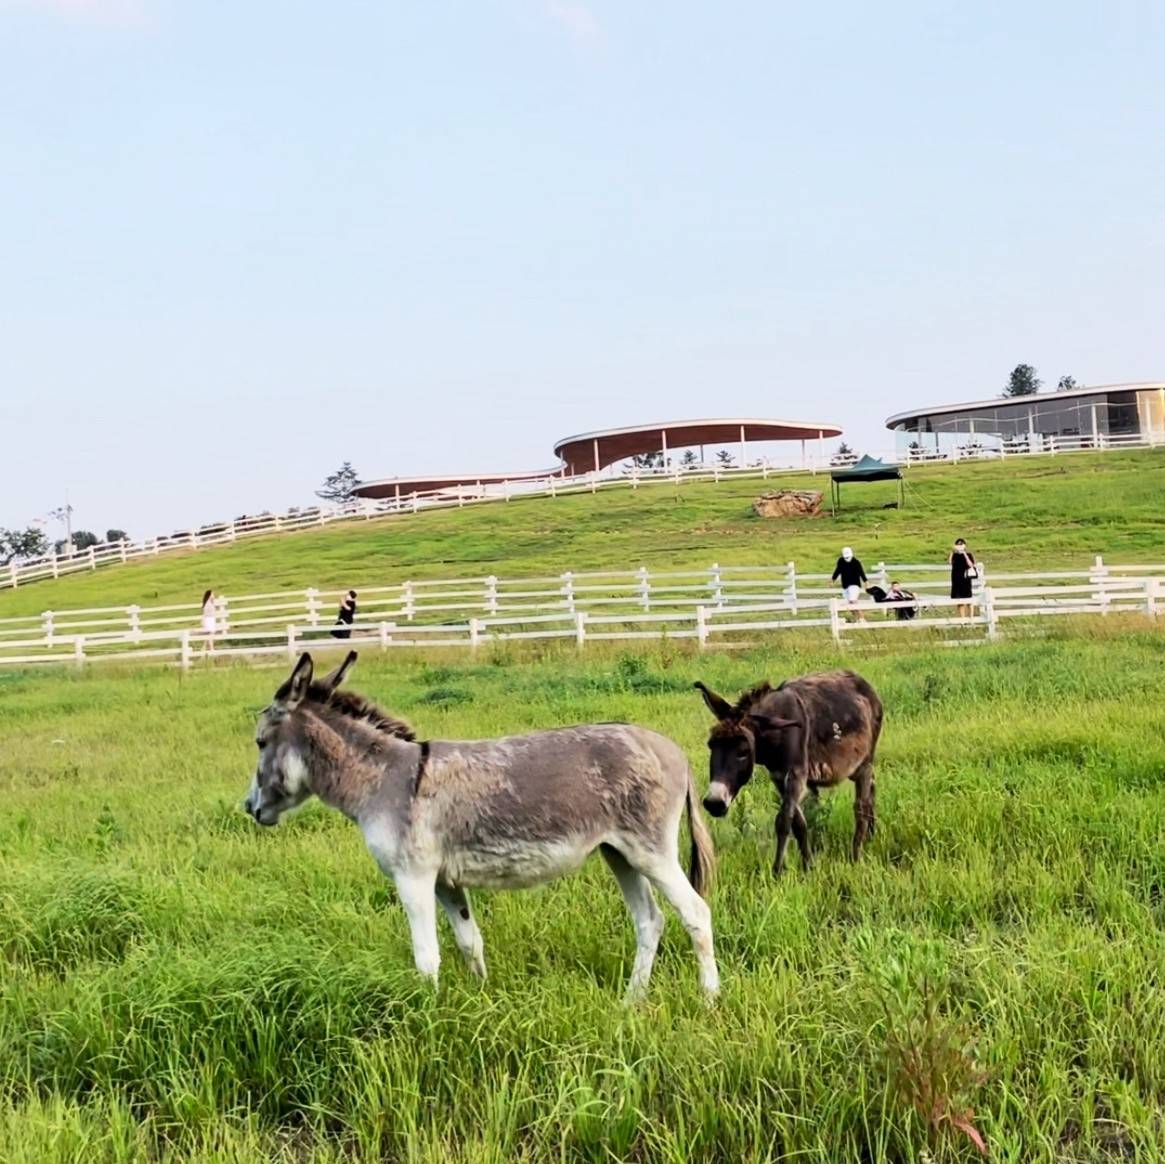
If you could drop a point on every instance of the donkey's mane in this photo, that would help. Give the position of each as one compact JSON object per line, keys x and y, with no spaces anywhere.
{"x":353,"y":706}
{"x":752,"y":697}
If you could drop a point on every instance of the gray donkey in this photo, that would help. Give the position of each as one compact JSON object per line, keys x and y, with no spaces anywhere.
{"x":444,"y":816}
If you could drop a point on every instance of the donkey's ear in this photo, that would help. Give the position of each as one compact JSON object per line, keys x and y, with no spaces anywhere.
{"x":333,"y":680}
{"x":293,"y":691}
{"x":717,"y":705}
{"x":773,"y":723}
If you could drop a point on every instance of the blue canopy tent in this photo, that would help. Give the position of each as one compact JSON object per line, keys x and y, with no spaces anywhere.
{"x":867,"y":469}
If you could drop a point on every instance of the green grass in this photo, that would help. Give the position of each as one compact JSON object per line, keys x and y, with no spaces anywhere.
{"x":176,"y":983}
{"x":1015,"y":514}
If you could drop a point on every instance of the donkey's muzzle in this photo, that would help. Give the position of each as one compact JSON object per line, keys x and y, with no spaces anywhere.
{"x":716,"y":804}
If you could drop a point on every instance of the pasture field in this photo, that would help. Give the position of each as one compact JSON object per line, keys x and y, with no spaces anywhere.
{"x":176,"y":983}
{"x":1019,"y":514}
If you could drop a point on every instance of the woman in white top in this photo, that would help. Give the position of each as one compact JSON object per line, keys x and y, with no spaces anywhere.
{"x":209,"y":624}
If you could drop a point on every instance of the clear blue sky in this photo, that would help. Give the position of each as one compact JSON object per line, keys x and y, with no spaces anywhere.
{"x":244,"y":241}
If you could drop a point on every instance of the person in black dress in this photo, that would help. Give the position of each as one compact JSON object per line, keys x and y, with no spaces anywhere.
{"x":963,"y":574}
{"x":344,"y":616}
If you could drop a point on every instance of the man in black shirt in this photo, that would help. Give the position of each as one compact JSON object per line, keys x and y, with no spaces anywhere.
{"x":850,"y":572}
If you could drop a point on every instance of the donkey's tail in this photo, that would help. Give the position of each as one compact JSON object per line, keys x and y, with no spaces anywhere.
{"x":702,"y":870}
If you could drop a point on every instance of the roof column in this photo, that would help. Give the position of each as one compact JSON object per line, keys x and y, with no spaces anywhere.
{"x":595,"y":443}
{"x":742,"y":446}
{"x":663,"y":439}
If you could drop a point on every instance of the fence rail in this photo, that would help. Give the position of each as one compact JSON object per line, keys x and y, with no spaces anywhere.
{"x":225,"y":532}
{"x":713,"y":605}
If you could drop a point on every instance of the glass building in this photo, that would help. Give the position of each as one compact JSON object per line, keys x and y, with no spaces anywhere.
{"x":1079,"y":417}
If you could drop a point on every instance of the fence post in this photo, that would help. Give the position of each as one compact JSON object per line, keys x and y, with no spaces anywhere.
{"x":714,"y":583}
{"x":194,"y":539}
{"x":701,"y":626}
{"x":553,"y":488}
{"x":834,"y":620}
{"x":568,"y":590}
{"x":92,"y":557}
{"x":1100,"y":593}
{"x":474,"y":633}
{"x":121,"y":546}
{"x":291,"y":641}
{"x":644,"y":587}
{"x":135,"y":622}
{"x":882,"y":579}
{"x":580,"y":627}
{"x":222,"y":613}
{"x":47,"y":626}
{"x":311,"y":602}
{"x":791,"y":585}
{"x":990,"y":618}
{"x":410,"y":605}
{"x":232,"y":531}
{"x":79,"y":650}
{"x":157,"y":548}
{"x":184,"y":650}
{"x":1151,"y":597}
{"x":491,"y":594}
{"x":386,"y":629}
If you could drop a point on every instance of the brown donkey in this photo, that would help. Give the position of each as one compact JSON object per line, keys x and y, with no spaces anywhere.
{"x":446,"y":816}
{"x":810,"y":733}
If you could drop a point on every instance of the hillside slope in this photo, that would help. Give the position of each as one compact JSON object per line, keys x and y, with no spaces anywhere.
{"x":1027,"y":513}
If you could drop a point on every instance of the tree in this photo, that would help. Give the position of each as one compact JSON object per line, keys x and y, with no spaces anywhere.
{"x":843,"y":450}
{"x":647,"y":460}
{"x":1066,"y":384}
{"x":1023,"y":381}
{"x":339,"y":485}
{"x":724,"y":457}
{"x":116,"y":535}
{"x":82,"y":540}
{"x":19,"y":544}
{"x":689,"y":460}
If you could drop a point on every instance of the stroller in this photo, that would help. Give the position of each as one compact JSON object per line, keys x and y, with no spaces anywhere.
{"x":901,"y":613}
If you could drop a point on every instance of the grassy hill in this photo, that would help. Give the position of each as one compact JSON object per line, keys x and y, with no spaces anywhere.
{"x":1015,"y":514}
{"x":177,"y":984}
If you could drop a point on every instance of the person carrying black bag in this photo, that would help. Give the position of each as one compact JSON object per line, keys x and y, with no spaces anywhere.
{"x":344,"y":616}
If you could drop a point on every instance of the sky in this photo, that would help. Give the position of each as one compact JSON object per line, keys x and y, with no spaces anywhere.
{"x":243,"y":242}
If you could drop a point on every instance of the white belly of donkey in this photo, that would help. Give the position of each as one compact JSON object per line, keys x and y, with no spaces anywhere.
{"x":516,"y":864}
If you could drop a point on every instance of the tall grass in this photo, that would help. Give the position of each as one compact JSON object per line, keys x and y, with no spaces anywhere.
{"x":176,"y":983}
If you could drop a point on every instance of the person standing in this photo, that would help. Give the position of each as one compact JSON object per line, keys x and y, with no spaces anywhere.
{"x":963,"y":575}
{"x":345,"y":616}
{"x":852,"y":575}
{"x":209,"y":621}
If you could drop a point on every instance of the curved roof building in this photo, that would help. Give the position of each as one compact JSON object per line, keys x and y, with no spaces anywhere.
{"x":590,"y":452}
{"x":1116,"y":410}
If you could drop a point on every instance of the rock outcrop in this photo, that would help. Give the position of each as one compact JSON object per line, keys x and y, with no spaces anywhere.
{"x":788,"y":503}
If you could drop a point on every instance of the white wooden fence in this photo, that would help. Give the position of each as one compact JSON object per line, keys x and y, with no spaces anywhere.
{"x":224,"y":532}
{"x":720,"y":604}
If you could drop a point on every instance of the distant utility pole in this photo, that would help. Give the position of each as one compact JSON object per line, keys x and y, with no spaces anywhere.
{"x":65,"y":514}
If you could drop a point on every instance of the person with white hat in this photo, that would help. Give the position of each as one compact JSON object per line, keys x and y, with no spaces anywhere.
{"x":852,"y":575}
